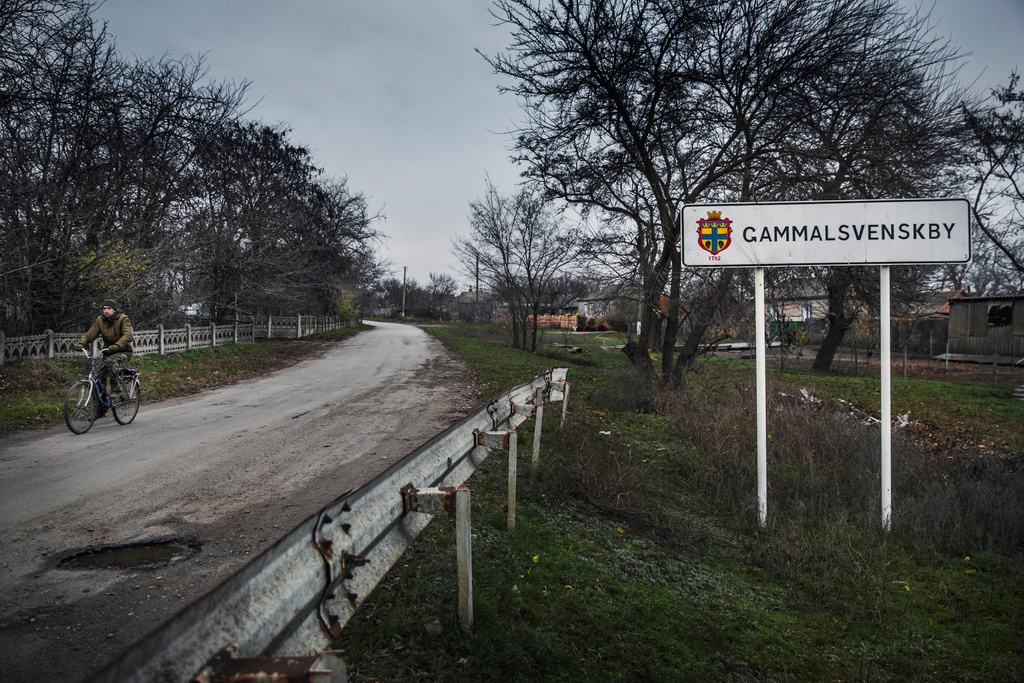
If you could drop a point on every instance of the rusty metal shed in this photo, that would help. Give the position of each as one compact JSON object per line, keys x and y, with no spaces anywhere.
{"x":987,"y":329}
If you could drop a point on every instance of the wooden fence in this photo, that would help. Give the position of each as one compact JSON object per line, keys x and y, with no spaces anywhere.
{"x":162,"y":340}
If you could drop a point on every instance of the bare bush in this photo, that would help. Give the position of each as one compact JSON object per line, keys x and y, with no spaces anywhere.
{"x":823,"y":468}
{"x":604,"y":471}
{"x":633,"y":390}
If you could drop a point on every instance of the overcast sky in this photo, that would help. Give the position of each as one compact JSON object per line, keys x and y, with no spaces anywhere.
{"x":391,"y":94}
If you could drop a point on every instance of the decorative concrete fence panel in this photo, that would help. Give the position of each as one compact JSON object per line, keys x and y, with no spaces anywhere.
{"x":146,"y":341}
{"x":161,"y":340}
{"x":295,"y":326}
{"x":177,"y":340}
{"x":61,"y":345}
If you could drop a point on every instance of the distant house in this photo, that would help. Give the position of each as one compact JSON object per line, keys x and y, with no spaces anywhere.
{"x":473,"y":306}
{"x":987,"y":329}
{"x":800,"y":304}
{"x":610,"y":301}
{"x":922,"y":325}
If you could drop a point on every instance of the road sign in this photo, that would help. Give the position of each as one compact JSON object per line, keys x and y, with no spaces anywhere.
{"x":891,"y":232}
{"x":881,"y":232}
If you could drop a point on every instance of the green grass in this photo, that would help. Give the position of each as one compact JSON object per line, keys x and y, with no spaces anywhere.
{"x":984,"y":412}
{"x":637,"y":556}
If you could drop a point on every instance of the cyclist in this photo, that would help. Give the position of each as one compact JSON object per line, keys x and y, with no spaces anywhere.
{"x":116,"y":330}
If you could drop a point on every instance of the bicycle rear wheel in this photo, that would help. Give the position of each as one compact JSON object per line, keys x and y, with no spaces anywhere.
{"x":80,"y":407}
{"x":128,"y":407}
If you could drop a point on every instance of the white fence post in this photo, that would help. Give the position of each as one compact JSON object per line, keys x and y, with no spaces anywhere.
{"x":270,"y":325}
{"x":49,"y":343}
{"x":538,"y":400}
{"x":160,"y":342}
{"x":236,"y":332}
{"x":213,"y":334}
{"x":3,"y":339}
{"x":298,"y":326}
{"x":188,"y":336}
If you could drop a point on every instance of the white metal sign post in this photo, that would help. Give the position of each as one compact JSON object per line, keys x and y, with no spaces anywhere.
{"x":880,"y":232}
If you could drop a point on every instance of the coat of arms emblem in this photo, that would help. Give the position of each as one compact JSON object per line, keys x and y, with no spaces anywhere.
{"x":714,"y":232}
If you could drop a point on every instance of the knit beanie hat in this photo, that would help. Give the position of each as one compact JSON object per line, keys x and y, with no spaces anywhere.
{"x":111,"y":303}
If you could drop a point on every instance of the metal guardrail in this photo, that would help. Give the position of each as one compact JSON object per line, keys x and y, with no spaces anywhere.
{"x":293,"y":598}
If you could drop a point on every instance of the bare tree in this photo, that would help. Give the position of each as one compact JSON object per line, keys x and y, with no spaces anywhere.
{"x":523,"y":252}
{"x":634,"y":108}
{"x":94,"y":164}
{"x":143,"y":181}
{"x":997,"y":199}
{"x":440,"y":290}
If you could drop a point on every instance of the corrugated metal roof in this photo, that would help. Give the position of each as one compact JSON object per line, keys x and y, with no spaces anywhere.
{"x":1005,"y":297}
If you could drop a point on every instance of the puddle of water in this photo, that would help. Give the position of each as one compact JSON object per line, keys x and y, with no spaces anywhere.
{"x":134,"y":556}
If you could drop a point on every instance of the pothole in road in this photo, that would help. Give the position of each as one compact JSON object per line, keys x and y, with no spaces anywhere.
{"x":149,"y":555}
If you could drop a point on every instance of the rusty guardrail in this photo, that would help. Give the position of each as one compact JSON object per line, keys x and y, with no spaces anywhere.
{"x":279,"y":612}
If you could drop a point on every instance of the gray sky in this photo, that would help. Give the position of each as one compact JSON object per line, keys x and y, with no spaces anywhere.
{"x":391,"y":94}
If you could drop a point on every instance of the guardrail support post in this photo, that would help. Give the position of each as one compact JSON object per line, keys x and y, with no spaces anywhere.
{"x":507,"y":441}
{"x":565,"y":403}
{"x":326,"y":667}
{"x":464,"y":552}
{"x":558,"y":389}
{"x":455,"y":503}
{"x":538,"y":400}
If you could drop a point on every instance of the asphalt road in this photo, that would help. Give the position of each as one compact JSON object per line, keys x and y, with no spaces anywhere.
{"x":225,"y":473}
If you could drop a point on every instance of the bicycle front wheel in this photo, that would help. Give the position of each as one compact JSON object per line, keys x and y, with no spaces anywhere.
{"x":80,"y":407}
{"x":128,"y":407}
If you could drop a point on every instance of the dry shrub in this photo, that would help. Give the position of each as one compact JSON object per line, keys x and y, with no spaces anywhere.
{"x":956,"y":505}
{"x":602,"y":470}
{"x":824,"y":467}
{"x":631,"y":391}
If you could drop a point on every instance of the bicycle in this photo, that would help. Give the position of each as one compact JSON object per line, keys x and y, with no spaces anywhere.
{"x":86,"y":396}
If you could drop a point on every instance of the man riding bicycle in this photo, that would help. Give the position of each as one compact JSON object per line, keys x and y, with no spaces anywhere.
{"x":116,"y":330}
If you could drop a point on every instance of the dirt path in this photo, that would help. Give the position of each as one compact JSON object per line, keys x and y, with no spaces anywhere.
{"x":225,"y":473}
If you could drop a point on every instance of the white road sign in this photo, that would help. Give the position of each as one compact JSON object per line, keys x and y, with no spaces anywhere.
{"x":877,"y":232}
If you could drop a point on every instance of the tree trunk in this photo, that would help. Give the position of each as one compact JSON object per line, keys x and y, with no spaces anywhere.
{"x":838,"y":321}
{"x":837,"y":328}
{"x":702,"y":314}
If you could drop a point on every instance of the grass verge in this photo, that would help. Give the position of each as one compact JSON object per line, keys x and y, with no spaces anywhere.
{"x":32,"y":391}
{"x":637,"y":555}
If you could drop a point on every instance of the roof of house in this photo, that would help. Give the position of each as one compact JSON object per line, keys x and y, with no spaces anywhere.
{"x":933,"y":303}
{"x":1005,"y":297}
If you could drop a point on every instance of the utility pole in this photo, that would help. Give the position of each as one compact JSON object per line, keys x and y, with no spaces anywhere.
{"x":476,"y":308}
{"x":404,"y":268}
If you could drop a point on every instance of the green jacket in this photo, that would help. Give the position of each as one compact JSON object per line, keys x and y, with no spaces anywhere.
{"x":116,"y":332}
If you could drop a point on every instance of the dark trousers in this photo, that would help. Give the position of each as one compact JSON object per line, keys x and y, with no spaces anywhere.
{"x":109,"y":367}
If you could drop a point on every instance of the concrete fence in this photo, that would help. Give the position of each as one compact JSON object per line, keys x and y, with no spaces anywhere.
{"x":163,"y":340}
